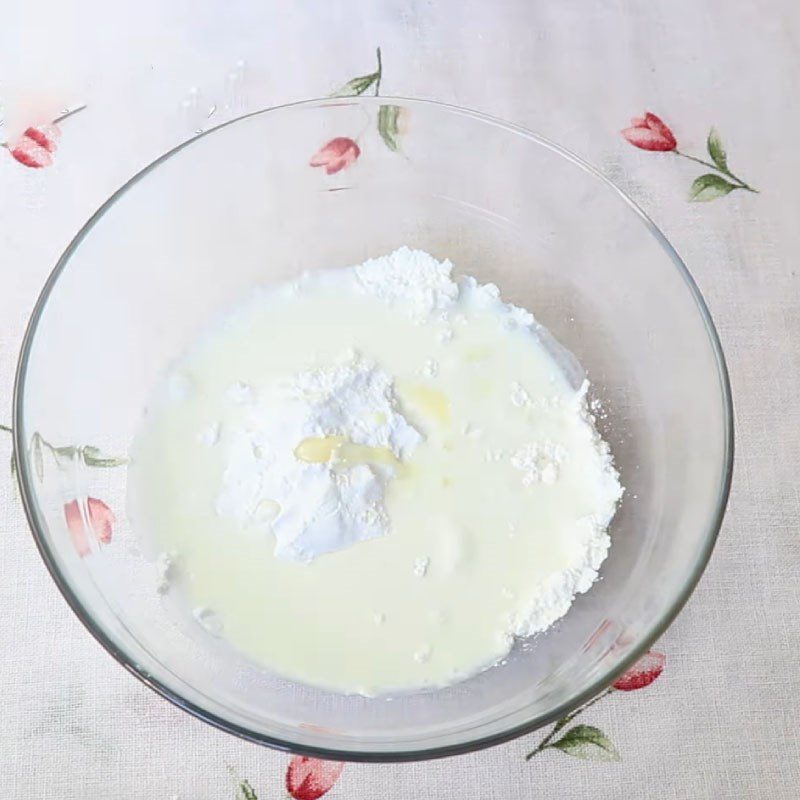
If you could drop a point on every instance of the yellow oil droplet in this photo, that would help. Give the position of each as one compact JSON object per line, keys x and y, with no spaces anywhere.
{"x":265,"y":513}
{"x":429,"y":402}
{"x":318,"y":449}
{"x":351,"y":454}
{"x":325,"y":449}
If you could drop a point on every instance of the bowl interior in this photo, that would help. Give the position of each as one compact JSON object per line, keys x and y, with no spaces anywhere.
{"x":240,"y":207}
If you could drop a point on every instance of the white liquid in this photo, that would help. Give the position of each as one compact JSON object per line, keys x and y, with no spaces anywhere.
{"x":496,"y":520}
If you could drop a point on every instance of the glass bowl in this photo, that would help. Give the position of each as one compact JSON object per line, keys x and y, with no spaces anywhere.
{"x":241,"y":206}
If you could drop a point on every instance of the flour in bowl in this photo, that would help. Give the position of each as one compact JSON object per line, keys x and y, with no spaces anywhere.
{"x":378,"y":459}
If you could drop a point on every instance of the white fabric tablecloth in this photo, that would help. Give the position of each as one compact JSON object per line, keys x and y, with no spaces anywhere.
{"x":720,"y":722}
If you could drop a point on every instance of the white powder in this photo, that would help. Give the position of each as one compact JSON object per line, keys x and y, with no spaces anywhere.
{"x":430,"y":368}
{"x":164,"y":566}
{"x":421,"y":565}
{"x":315,"y":508}
{"x":556,"y":593}
{"x":410,"y":280}
{"x":539,"y":462}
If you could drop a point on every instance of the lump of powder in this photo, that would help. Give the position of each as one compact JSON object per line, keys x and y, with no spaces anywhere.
{"x":316,"y":508}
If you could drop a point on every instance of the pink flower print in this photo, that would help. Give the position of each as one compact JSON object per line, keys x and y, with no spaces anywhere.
{"x":36,"y":146}
{"x":310,"y":778}
{"x":642,"y":673}
{"x":650,"y":133}
{"x":336,"y":155}
{"x":101,"y":520}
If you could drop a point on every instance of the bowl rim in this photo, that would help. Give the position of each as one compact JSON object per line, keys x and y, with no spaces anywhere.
{"x":24,"y":472}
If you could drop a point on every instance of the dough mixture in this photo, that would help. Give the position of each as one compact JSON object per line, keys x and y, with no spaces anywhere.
{"x":374,"y":478}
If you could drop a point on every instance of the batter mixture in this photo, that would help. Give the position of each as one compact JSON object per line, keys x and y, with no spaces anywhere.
{"x":374,"y":478}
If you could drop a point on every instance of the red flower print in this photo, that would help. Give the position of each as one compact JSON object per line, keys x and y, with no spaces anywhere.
{"x":650,"y":133}
{"x":642,"y":673}
{"x":310,"y":778}
{"x":336,"y":155}
{"x":101,"y":519}
{"x":36,"y":146}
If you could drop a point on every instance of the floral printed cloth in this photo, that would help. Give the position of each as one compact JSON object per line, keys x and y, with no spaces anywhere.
{"x":680,"y":103}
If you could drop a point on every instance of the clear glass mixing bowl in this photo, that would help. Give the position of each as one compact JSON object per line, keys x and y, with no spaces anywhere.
{"x":241,"y":206}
